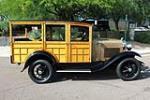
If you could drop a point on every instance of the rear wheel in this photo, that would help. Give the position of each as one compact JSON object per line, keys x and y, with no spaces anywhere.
{"x":41,"y":71}
{"x":128,"y":69}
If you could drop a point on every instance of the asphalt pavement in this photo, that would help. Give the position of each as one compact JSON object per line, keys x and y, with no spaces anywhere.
{"x":16,"y":85}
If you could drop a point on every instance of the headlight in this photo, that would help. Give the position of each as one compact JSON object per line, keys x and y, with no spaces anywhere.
{"x":129,"y":46}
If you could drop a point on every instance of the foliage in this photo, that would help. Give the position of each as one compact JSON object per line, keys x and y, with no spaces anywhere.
{"x":137,"y":10}
{"x":96,"y":9}
{"x":61,"y":9}
{"x":143,"y":37}
{"x":141,"y":11}
{"x":121,"y":8}
{"x":4,"y":25}
{"x":0,"y":33}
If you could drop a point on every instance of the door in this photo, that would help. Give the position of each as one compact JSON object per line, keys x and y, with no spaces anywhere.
{"x":80,"y":43}
{"x":55,"y":40}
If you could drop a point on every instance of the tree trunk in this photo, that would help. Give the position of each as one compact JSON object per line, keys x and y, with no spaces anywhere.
{"x":116,"y":24}
{"x":72,"y":18}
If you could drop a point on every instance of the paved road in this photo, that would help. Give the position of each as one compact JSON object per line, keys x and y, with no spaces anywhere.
{"x":15,"y":85}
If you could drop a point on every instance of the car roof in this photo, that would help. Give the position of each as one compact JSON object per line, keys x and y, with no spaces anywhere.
{"x":48,"y":22}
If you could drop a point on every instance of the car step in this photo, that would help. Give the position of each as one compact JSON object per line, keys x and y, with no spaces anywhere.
{"x":75,"y":71}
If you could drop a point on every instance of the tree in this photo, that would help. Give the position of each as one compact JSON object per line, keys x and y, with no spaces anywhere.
{"x":71,"y":10}
{"x":120,"y":8}
{"x":96,"y":9}
{"x":55,"y":9}
{"x":3,"y":20}
{"x":142,"y":11}
{"x":62,"y":9}
{"x":12,"y":8}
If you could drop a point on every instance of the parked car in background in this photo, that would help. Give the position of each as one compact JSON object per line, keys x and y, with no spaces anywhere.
{"x":147,"y":26}
{"x":141,"y":29}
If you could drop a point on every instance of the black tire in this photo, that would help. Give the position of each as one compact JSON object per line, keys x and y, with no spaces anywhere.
{"x":128,"y":69}
{"x":41,"y":71}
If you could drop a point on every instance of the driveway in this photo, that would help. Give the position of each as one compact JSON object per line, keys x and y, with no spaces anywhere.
{"x":99,"y":86}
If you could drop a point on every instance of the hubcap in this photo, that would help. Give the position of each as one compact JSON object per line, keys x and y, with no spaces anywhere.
{"x":41,"y":72}
{"x":129,"y":69}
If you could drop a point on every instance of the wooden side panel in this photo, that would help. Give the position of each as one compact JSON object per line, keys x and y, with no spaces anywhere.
{"x":80,"y":53}
{"x":22,"y":50}
{"x":59,"y":50}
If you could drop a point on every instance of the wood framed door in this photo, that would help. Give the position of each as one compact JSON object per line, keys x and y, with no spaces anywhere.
{"x":80,"y":43}
{"x":55,"y":41}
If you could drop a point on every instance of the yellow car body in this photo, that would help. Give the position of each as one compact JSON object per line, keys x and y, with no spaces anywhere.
{"x":66,"y":51}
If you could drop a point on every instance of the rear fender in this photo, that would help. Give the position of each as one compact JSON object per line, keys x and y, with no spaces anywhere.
{"x":39,"y":55}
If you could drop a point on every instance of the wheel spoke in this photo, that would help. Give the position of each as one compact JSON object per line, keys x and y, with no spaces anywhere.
{"x":127,"y":74}
{"x":129,"y":69}
{"x":40,"y":71}
{"x":124,"y":71}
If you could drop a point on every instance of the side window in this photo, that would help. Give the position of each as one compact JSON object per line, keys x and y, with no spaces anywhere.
{"x":79,"y":33}
{"x":26,"y":32}
{"x":55,"y":32}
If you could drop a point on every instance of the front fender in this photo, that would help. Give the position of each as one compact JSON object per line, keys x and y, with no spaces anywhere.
{"x":120,"y":56}
{"x":116,"y":59}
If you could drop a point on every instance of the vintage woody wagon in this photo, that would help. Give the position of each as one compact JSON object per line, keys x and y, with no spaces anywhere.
{"x":48,"y":47}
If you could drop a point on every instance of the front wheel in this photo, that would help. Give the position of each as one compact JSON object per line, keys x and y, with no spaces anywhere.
{"x":41,"y":71}
{"x":128,"y":69}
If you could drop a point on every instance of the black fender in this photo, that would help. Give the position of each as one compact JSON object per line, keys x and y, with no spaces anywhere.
{"x":39,"y":55}
{"x":115,"y":59}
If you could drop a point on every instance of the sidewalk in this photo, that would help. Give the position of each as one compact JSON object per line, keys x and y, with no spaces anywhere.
{"x":4,"y":51}
{"x":141,"y":48}
{"x":142,"y":51}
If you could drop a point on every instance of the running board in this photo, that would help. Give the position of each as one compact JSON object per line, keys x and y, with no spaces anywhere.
{"x":75,"y":71}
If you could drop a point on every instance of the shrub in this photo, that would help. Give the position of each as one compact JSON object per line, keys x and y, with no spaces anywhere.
{"x":0,"y":33}
{"x":143,"y":37}
{"x":112,"y":34}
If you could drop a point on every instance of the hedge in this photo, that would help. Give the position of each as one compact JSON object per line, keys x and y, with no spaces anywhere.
{"x":0,"y":33}
{"x":112,"y":34}
{"x":143,"y":37}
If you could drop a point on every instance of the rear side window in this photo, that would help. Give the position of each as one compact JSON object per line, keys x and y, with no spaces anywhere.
{"x":26,"y":32}
{"x":55,"y":32}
